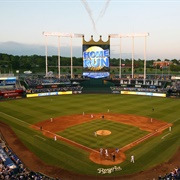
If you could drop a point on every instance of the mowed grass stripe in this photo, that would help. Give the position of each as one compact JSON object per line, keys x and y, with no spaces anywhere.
{"x":29,"y":110}
{"x":53,"y":152}
{"x":84,"y":134}
{"x":124,"y":105}
{"x":156,"y":148}
{"x":47,"y":150}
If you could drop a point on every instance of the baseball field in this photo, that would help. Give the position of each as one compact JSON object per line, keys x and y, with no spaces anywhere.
{"x":68,"y":131}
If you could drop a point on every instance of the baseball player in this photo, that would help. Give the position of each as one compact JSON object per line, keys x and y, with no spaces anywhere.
{"x":132,"y":158}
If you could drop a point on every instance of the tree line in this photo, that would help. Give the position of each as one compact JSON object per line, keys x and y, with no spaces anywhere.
{"x":14,"y":62}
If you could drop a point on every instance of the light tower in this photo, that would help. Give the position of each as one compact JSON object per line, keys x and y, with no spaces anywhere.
{"x":59,"y":35}
{"x":131,"y":36}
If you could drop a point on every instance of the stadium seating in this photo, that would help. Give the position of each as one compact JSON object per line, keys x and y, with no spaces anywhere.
{"x":12,"y":168}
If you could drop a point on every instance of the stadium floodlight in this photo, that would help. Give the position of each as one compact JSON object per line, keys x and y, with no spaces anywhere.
{"x":62,"y":34}
{"x":131,"y":36}
{"x":57,"y":34}
{"x":128,"y":35}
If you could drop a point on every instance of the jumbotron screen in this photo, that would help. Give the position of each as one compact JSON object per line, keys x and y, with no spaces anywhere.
{"x":96,"y":61}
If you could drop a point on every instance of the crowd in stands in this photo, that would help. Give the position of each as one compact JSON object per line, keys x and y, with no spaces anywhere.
{"x":31,"y":82}
{"x":60,"y":89}
{"x":173,"y":175}
{"x":12,"y":168}
{"x":175,"y":86}
{"x":174,"y":89}
{"x":45,"y":85}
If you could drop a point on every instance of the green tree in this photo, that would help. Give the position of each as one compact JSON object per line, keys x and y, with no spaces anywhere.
{"x":15,"y":62}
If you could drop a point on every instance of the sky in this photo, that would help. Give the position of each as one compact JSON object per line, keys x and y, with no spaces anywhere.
{"x":24,"y":21}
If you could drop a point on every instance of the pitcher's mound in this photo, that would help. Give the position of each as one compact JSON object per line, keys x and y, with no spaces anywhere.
{"x":103,"y":132}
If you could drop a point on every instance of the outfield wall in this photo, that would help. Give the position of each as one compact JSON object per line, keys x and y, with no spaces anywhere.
{"x":113,"y":92}
{"x":52,"y":93}
{"x":143,"y":93}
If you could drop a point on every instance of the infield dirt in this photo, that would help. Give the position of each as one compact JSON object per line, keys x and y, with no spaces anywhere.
{"x":51,"y":126}
{"x":35,"y":164}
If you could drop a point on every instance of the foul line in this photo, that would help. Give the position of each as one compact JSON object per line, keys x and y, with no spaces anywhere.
{"x":22,"y":122}
{"x":80,"y":145}
{"x":40,"y":137}
{"x":15,"y":118}
{"x":72,"y":142}
{"x":89,"y":149}
{"x":165,"y":135}
{"x":176,"y":120}
{"x":128,"y":146}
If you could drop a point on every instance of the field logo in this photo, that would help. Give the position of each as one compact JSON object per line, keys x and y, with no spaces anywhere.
{"x":109,"y":170}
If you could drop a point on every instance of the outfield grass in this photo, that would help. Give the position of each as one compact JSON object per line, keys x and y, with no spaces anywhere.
{"x":19,"y":114}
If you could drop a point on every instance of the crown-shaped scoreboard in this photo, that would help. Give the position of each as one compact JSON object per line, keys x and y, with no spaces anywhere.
{"x":96,"y":56}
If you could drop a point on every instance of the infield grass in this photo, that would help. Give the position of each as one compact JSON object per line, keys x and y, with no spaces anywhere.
{"x":120,"y":136}
{"x":20,"y":114}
